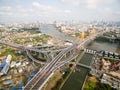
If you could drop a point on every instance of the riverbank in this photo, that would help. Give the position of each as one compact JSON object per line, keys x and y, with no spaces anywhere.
{"x":118,"y":49}
{"x":77,"y":78}
{"x":92,"y":83}
{"x":50,"y":29}
{"x":107,"y":46}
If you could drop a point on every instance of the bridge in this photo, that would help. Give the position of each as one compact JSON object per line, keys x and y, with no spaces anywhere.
{"x":38,"y":49}
{"x":42,"y":75}
{"x":83,"y":65}
{"x":11,"y":45}
{"x":37,"y":82}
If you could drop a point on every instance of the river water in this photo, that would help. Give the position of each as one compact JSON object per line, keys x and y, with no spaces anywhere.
{"x":50,"y":29}
{"x":76,"y":79}
{"x":112,"y":47}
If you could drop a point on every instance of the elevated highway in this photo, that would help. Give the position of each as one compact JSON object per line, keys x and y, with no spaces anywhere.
{"x":34,"y":49}
{"x":42,"y":75}
{"x":37,"y":81}
{"x":11,"y":45}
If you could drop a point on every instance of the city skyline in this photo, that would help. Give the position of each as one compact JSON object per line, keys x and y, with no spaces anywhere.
{"x":78,"y":10}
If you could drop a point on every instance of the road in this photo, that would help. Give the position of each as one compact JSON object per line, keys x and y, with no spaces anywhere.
{"x":40,"y":77}
{"x":36,"y":82}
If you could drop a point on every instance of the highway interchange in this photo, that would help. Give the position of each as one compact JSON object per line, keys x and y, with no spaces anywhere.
{"x":38,"y":80}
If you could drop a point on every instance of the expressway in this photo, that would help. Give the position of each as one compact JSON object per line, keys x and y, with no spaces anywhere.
{"x":33,"y":59}
{"x":37,"y":81}
{"x":41,"y":51}
{"x":11,"y":45}
{"x":34,"y":49}
{"x":42,"y":75}
{"x":30,"y":48}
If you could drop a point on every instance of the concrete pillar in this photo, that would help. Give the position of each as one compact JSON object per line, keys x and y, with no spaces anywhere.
{"x":52,"y":55}
{"x":70,"y":52}
{"x":65,"y":55}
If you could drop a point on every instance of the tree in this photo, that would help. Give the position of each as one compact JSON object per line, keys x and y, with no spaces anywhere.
{"x":70,"y":65}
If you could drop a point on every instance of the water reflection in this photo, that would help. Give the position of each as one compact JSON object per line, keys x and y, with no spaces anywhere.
{"x":112,"y":47}
{"x":51,"y":30}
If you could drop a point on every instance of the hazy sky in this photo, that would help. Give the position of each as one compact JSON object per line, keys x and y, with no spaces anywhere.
{"x":37,"y":10}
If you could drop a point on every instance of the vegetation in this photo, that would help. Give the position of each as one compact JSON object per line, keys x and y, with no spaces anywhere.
{"x":34,"y":32}
{"x":79,"y":34}
{"x":58,"y":84}
{"x":90,"y":84}
{"x":109,"y":34}
{"x":30,"y":29}
{"x":42,"y":38}
{"x":101,"y":86}
{"x":93,"y":84}
{"x":56,"y":80}
{"x":52,"y":81}
{"x":70,"y":65}
{"x":64,"y":76}
{"x":102,"y":39}
{"x":9,"y":51}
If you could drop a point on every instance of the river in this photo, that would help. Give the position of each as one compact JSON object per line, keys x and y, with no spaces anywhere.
{"x":77,"y":78}
{"x":111,"y":47}
{"x":50,"y":29}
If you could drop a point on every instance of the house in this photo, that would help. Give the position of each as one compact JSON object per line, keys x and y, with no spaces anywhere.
{"x":8,"y":59}
{"x":5,"y":69}
{"x":13,"y":64}
{"x":7,"y":82}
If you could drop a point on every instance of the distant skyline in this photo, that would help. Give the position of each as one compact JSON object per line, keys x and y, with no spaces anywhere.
{"x":60,"y":10}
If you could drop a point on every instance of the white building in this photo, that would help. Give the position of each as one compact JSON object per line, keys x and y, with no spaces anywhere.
{"x":8,"y":59}
{"x":13,"y":63}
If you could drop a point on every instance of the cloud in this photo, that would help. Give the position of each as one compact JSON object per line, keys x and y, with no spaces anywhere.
{"x":117,"y":12}
{"x":108,"y":10}
{"x":42,"y":7}
{"x":49,"y":9}
{"x":8,"y":11}
{"x":5,"y":8}
{"x":35,"y":11}
{"x":91,"y":4}
{"x":76,"y":9}
{"x":36,"y":4}
{"x":94,"y":3}
{"x":72,"y":2}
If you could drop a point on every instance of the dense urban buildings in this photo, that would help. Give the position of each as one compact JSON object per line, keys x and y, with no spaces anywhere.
{"x":16,"y":66}
{"x":59,"y":45}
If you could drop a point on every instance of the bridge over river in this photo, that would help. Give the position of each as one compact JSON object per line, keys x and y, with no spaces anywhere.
{"x":37,"y":82}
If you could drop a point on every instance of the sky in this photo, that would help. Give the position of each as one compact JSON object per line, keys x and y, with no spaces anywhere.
{"x":59,"y":10}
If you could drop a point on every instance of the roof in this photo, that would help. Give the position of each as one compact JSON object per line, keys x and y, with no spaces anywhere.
{"x":13,"y":88}
{"x":8,"y":59}
{"x":29,"y":79}
{"x":5,"y":69}
{"x":20,"y":86}
{"x":2,"y":64}
{"x":3,"y":57}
